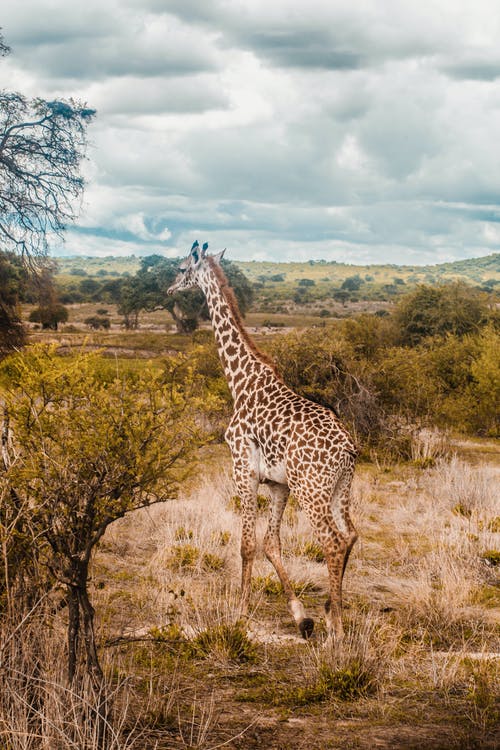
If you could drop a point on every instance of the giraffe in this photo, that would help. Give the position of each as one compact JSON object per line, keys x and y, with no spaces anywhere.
{"x":282,"y":439}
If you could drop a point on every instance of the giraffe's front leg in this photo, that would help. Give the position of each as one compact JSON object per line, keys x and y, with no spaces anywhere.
{"x":246,"y":476}
{"x":248,"y":547}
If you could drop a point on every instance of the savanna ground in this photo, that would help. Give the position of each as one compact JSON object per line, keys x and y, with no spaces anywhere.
{"x":420,"y":663}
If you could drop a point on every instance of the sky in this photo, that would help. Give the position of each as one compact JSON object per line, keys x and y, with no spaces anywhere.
{"x":363,"y":131}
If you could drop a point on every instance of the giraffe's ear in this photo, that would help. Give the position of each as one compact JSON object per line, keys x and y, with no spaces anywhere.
{"x":219,"y":256}
{"x":195,"y":252}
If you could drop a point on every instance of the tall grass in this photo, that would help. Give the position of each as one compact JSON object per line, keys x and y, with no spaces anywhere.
{"x":39,"y":710}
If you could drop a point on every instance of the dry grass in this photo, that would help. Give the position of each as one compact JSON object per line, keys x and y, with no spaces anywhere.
{"x":420,"y":552}
{"x":422,"y":622}
{"x":39,"y":710}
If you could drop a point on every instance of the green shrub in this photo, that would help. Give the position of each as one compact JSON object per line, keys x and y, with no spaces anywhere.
{"x":272,"y":587}
{"x":462,"y":510}
{"x":494,"y":525}
{"x":492,"y":557}
{"x":211,"y":562}
{"x":182,"y":534}
{"x":183,"y":557}
{"x":483,"y":692}
{"x":223,"y":537}
{"x":313,"y":551}
{"x":347,"y":683}
{"x":262,"y":503}
{"x":227,"y":643}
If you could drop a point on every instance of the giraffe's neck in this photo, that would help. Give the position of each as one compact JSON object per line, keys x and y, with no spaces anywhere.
{"x":240,"y":359}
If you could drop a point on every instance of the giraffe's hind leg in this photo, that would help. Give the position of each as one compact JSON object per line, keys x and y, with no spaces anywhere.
{"x":272,"y":548}
{"x":340,"y":509}
{"x":329,"y":517}
{"x":342,"y":525}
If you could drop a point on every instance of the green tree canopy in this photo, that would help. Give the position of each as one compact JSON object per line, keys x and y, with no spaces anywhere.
{"x":454,"y":308}
{"x":13,"y":284}
{"x":89,"y":445}
{"x":147,"y":290}
{"x":352,"y":283}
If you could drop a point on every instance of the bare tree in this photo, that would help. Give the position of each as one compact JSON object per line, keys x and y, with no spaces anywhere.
{"x":42,"y":144}
{"x":41,"y":147}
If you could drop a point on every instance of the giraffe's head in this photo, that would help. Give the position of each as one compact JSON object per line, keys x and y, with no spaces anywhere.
{"x":192,"y":267}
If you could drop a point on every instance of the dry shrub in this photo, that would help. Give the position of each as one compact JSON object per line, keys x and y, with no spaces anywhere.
{"x":197,"y":534}
{"x":443,"y":577}
{"x":428,"y":445}
{"x":225,"y":643}
{"x":483,"y":692}
{"x":471,"y":491}
{"x":438,"y":595}
{"x":357,"y":665}
{"x":475,"y":676}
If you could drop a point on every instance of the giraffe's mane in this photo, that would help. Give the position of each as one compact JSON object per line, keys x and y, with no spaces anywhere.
{"x":230,"y":297}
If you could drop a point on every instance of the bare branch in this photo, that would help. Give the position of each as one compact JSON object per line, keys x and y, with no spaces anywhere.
{"x":42,"y":145}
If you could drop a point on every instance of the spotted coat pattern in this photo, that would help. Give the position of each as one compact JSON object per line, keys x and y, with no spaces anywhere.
{"x":282,"y":439}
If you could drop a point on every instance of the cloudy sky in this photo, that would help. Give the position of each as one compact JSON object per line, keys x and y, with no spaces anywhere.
{"x":362,"y":131}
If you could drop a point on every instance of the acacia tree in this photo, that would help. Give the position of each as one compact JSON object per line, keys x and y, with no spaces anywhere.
{"x":88,"y":446}
{"x":42,"y":145}
{"x":147,"y":290}
{"x":13,"y":281}
{"x":50,"y":312}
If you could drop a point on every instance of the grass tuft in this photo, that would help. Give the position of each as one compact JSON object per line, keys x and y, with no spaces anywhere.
{"x":183,"y":557}
{"x":226,"y":643}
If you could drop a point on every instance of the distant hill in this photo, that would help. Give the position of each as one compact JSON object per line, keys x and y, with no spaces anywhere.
{"x":475,"y":270}
{"x":312,"y":283}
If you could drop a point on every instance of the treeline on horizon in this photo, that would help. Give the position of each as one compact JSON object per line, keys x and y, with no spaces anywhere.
{"x":90,"y":279}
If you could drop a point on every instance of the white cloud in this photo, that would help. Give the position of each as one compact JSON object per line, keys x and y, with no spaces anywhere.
{"x":363,"y":131}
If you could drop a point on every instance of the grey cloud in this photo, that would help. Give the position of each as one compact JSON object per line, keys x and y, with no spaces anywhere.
{"x":329,"y":130}
{"x":473,"y":70}
{"x":317,"y":35}
{"x":400,"y":139}
{"x":96,"y":44}
{"x":303,"y":49}
{"x":191,"y":11}
{"x":27,"y":27}
{"x":108,"y":57}
{"x":260,"y":164}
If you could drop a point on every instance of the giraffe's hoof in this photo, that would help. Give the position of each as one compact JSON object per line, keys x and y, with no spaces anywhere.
{"x":306,"y":627}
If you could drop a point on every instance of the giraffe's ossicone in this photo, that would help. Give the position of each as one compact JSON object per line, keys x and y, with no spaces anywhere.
{"x":280,"y":438}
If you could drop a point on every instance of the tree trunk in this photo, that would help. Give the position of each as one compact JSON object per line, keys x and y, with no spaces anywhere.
{"x":73,"y":631}
{"x":93,"y":666}
{"x":100,"y":714}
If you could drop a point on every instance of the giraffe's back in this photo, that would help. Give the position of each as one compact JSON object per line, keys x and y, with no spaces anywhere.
{"x":295,"y":437}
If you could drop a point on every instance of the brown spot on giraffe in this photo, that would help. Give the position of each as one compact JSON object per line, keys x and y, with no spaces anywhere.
{"x":282,"y":439}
